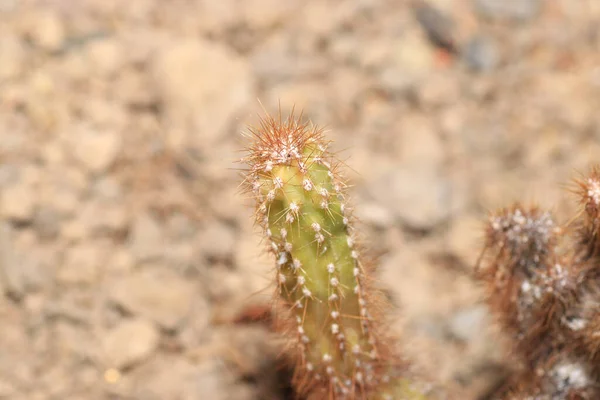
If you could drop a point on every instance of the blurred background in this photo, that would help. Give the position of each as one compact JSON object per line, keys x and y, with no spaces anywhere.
{"x":129,"y":266}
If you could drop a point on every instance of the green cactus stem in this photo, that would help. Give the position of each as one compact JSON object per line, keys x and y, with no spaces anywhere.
{"x":332,"y":310}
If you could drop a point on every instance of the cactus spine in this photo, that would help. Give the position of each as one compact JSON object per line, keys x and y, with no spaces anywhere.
{"x":331,"y":310}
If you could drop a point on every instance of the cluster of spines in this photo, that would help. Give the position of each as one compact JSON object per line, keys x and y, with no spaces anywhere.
{"x":543,"y":284}
{"x":330,"y":302}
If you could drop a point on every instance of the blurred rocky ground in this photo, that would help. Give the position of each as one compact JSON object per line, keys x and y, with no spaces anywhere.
{"x":128,"y":261}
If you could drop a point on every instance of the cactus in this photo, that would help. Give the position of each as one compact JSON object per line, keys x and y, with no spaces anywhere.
{"x":331,"y":309}
{"x":542,"y":280}
{"x":543,"y":284}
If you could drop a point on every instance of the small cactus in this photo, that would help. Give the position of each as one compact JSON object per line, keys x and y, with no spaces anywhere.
{"x":543,"y":283}
{"x":331,"y":309}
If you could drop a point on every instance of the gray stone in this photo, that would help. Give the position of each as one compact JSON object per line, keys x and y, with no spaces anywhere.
{"x":419,"y":198}
{"x":468,"y":323}
{"x":158,"y":295}
{"x":180,"y":227}
{"x":217,"y":241}
{"x":82,"y":264}
{"x":522,"y":10}
{"x":481,"y":54}
{"x":23,"y":264}
{"x":183,"y":380}
{"x":47,"y":222}
{"x":147,"y":241}
{"x":104,"y":216}
{"x":130,"y":342}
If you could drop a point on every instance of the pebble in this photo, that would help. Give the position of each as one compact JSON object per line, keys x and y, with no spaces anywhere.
{"x":481,"y":54}
{"x":130,"y":342}
{"x":420,"y":146}
{"x":265,"y":14}
{"x":18,"y":201}
{"x":105,"y":56}
{"x":82,"y":264}
{"x":521,"y":10}
{"x":104,"y":217}
{"x":464,"y":235}
{"x":253,"y":262}
{"x":160,"y":296}
{"x":47,"y":222}
{"x":411,"y":59}
{"x":217,"y":241}
{"x":437,"y":24}
{"x":440,"y":89}
{"x":203,"y":85}
{"x":183,"y":380}
{"x":26,"y":264}
{"x":374,"y":214}
{"x":418,"y":198}
{"x":146,"y":239}
{"x":95,"y":151}
{"x":46,"y":30}
{"x":13,"y":54}
{"x":468,"y":323}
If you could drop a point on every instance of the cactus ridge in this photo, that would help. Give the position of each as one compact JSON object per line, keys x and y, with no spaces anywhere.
{"x":321,"y":278}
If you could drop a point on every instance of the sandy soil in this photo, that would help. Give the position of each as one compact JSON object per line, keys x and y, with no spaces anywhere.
{"x":129,"y":267}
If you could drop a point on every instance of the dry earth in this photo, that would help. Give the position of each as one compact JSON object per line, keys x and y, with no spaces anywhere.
{"x":128,"y":259}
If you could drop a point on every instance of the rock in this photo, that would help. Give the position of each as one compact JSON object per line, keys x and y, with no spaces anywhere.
{"x":193,"y":334}
{"x":94,"y":150}
{"x":465,"y":236}
{"x":202,"y":85}
{"x":18,"y":201}
{"x":411,"y":59}
{"x":374,"y":214}
{"x":440,"y":89}
{"x":275,"y":61}
{"x":146,"y":241}
{"x":468,"y":323}
{"x":103,"y":216}
{"x":183,"y":380}
{"x":160,"y":296}
{"x":130,"y":342}
{"x":420,"y":146}
{"x":180,"y":227}
{"x":307,"y":96}
{"x":437,"y":24}
{"x":61,"y":188}
{"x":104,"y":115}
{"x":46,"y":30}
{"x":108,"y":188}
{"x":7,"y":389}
{"x":419,"y":198}
{"x":18,"y":192}
{"x":253,"y":261}
{"x":521,"y":10}
{"x":265,"y":14}
{"x":13,"y":54}
{"x":217,"y":241}
{"x":82,"y":264}
{"x":121,"y":262}
{"x":481,"y":54}
{"x":47,"y":222}
{"x":105,"y":56}
{"x":182,"y":256}
{"x":24,"y":264}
